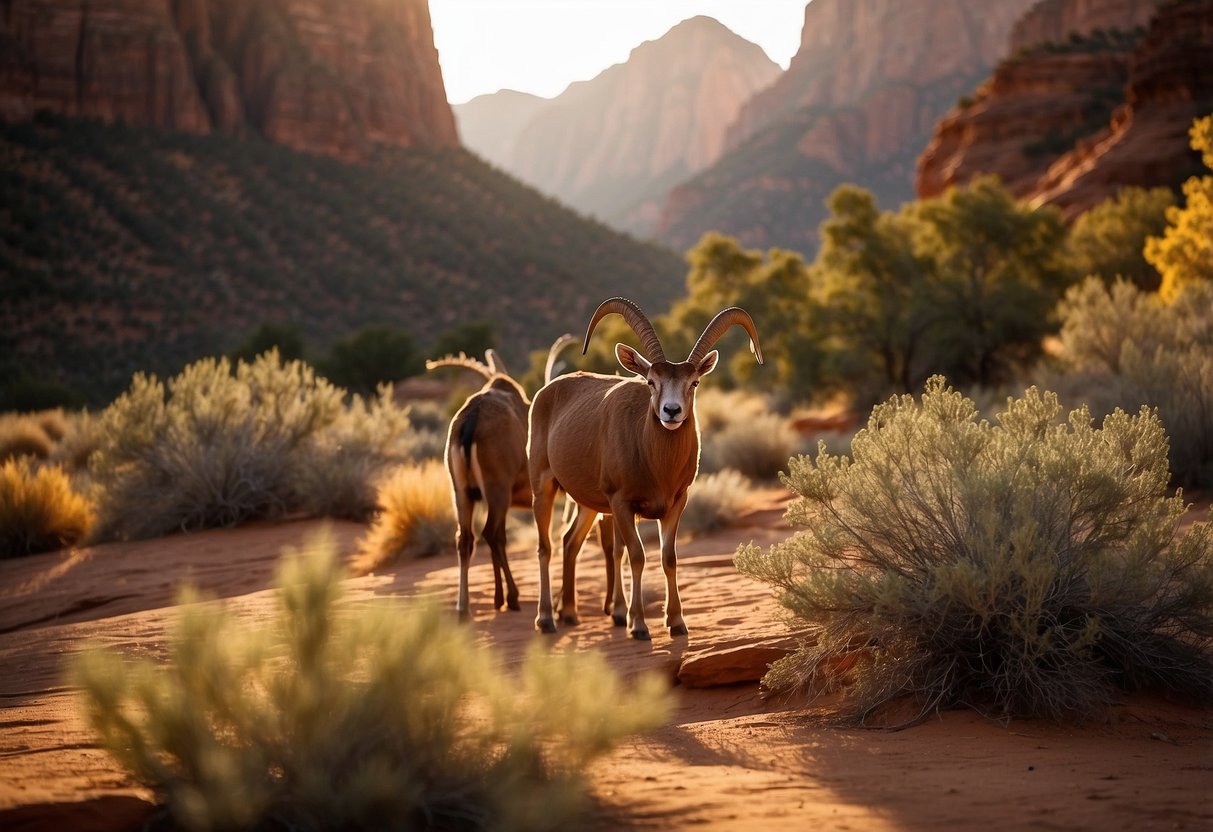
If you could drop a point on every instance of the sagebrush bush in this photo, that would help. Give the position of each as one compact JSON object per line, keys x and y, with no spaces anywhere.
{"x":715,"y":502}
{"x":416,"y":517}
{"x":1122,"y":347}
{"x":39,"y":510}
{"x":1032,"y":567}
{"x":340,"y":473}
{"x":757,"y":446}
{"x":383,"y":716}
{"x":23,"y":436}
{"x":220,"y":445}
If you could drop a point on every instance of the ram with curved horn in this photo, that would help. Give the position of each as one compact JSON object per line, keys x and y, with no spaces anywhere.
{"x":628,"y":447}
{"x":486,"y":460}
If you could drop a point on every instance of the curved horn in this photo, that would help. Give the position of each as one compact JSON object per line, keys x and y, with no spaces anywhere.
{"x":734,"y":315}
{"x":460,"y":360}
{"x":636,"y":319}
{"x":496,"y":365}
{"x":554,"y":351}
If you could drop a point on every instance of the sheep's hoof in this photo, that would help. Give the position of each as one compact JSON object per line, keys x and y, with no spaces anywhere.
{"x":620,"y":620}
{"x":545,"y":625}
{"x":678,"y":630}
{"x":570,"y":618}
{"x":464,"y":615}
{"x":513,"y":605}
{"x":640,"y":635}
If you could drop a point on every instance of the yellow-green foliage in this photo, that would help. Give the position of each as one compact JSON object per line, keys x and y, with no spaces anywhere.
{"x":416,"y":517}
{"x":1122,"y":347}
{"x":1184,"y":253}
{"x":39,"y":511}
{"x":23,"y":436}
{"x":219,"y":445}
{"x":1028,"y":567}
{"x":716,"y":500}
{"x":383,"y":716}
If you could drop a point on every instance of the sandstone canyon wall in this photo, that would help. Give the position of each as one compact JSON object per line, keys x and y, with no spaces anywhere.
{"x":858,"y":103}
{"x":1099,"y":95}
{"x":319,"y":75}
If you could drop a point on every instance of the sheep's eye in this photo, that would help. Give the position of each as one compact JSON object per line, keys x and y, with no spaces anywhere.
{"x":651,"y":384}
{"x":694,"y":383}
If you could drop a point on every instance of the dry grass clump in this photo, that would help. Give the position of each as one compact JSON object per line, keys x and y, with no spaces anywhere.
{"x":1032,"y":567}
{"x":715,"y":502}
{"x":757,"y":446}
{"x":39,"y":510}
{"x":416,"y":517}
{"x":383,"y":716}
{"x":219,"y":445}
{"x":23,"y":436}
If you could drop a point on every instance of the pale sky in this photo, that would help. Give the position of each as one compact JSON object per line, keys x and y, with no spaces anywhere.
{"x":541,"y":46}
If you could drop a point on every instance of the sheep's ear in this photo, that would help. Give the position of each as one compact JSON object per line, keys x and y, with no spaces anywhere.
{"x":709,"y":363}
{"x":631,"y":360}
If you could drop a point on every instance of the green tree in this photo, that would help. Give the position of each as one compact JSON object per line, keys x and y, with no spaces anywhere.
{"x":871,"y":285}
{"x":372,"y":356}
{"x":1184,"y":253}
{"x":994,"y":276}
{"x":775,"y":289}
{"x":1109,"y":240}
{"x":472,"y":338}
{"x":268,"y":336}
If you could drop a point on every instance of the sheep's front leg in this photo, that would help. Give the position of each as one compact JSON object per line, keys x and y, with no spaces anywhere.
{"x":625,"y":527}
{"x":545,"y":498}
{"x":669,"y":563}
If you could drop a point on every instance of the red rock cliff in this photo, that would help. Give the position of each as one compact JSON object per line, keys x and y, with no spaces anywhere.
{"x":851,"y":48}
{"x":319,"y":75}
{"x":1070,"y":125}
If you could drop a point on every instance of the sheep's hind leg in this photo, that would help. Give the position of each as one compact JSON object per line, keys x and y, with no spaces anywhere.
{"x":574,"y":537}
{"x":545,"y":498}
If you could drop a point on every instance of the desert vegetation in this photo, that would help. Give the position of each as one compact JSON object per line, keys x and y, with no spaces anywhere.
{"x":40,"y":510}
{"x":1031,"y":567}
{"x":218,"y":445}
{"x":414,"y":517}
{"x":330,"y":715}
{"x":249,"y":230}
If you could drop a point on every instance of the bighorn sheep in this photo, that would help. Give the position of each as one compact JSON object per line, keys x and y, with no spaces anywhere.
{"x":486,"y":460}
{"x":627,"y":447}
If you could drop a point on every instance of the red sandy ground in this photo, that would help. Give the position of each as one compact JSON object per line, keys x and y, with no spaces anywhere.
{"x":728,"y":759}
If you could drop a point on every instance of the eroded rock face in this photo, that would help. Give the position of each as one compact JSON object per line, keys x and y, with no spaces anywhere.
{"x":1052,"y":21}
{"x":1071,"y":126}
{"x":611,"y":145}
{"x":857,"y":104}
{"x":850,"y":49}
{"x":318,"y":75}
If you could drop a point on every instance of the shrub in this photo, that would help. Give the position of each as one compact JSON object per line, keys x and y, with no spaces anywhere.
{"x":384,"y":716}
{"x":1031,"y":567}
{"x":39,"y":511}
{"x":757,"y":447}
{"x":22,"y":436}
{"x":1122,"y":347}
{"x":416,"y":517}
{"x":218,"y":449}
{"x":346,"y":461}
{"x":716,"y":500}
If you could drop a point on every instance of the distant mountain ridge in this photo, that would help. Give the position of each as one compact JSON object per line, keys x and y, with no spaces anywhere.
{"x":857,"y":104}
{"x":613,"y":146}
{"x":324,"y":79}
